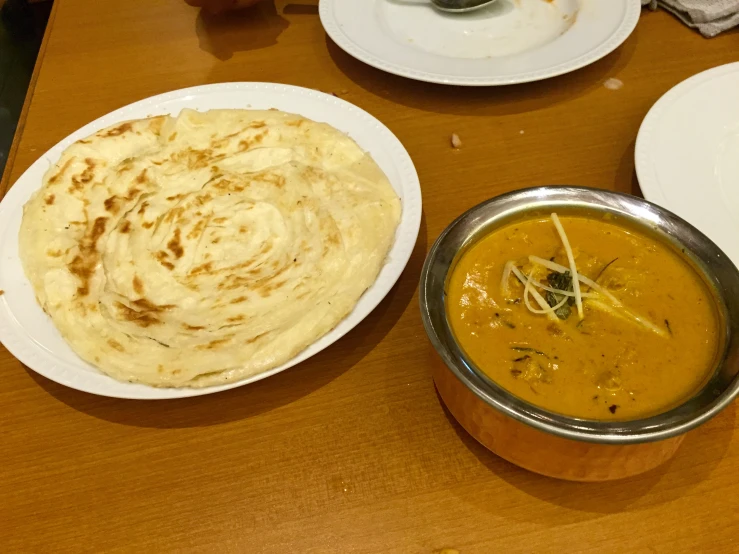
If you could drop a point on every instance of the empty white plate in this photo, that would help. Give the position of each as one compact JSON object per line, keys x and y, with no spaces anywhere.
{"x":687,"y":154}
{"x":510,"y":41}
{"x":29,"y":334}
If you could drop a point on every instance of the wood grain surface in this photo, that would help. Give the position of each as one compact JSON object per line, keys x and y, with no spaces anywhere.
{"x":351,"y":451}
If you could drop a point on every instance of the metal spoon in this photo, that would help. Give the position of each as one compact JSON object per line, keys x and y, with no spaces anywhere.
{"x":460,"y":6}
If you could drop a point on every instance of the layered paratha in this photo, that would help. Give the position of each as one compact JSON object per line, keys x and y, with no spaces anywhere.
{"x":206,"y":248}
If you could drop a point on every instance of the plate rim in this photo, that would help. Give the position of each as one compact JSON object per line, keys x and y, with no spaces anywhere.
{"x":644,"y":164}
{"x":618,"y":37}
{"x":36,"y":357}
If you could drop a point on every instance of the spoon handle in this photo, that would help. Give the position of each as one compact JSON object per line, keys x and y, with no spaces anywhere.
{"x":460,"y":5}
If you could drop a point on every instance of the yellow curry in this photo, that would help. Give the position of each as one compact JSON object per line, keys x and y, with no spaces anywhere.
{"x":584,"y":317}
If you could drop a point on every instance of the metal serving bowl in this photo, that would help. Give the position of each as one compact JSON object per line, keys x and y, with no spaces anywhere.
{"x":547,"y":442}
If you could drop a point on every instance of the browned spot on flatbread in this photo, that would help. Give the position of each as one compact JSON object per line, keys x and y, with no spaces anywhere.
{"x":54,"y":253}
{"x":192,"y":327}
{"x":111,"y":204}
{"x":272,"y":178}
{"x":147,"y":224}
{"x":79,"y":181}
{"x":124,"y":166}
{"x":238,"y":300}
{"x":333,"y":239}
{"x":125,"y":227}
{"x":243,"y":229}
{"x":172,"y":136}
{"x":54,"y":178}
{"x":197,"y":229}
{"x":149,"y":306}
{"x":175,"y":197}
{"x":161,"y":257}
{"x":203,"y":268}
{"x":138,"y":285}
{"x":219,"y":220}
{"x":223,"y":141}
{"x":117,"y":131}
{"x":196,"y":159}
{"x":116,"y":345}
{"x":2,"y":292}
{"x":174,"y":213}
{"x":203,"y":199}
{"x":213,"y":344}
{"x":247,"y":144}
{"x":311,"y":173}
{"x":142,"y":312}
{"x":264,"y":287}
{"x":296,"y":123}
{"x":141,"y":177}
{"x":266,"y":290}
{"x":142,"y":319}
{"x":83,"y":264}
{"x":50,"y":199}
{"x":175,"y":245}
{"x":235,"y":319}
{"x":223,"y":184}
{"x":156,"y":123}
{"x":257,"y":124}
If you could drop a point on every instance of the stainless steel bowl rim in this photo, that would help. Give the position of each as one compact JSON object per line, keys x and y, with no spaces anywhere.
{"x":718,"y":393}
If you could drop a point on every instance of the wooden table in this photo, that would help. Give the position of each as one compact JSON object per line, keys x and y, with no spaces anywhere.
{"x":352,"y":450}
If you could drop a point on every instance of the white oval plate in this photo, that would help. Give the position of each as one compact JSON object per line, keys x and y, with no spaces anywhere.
{"x":511,"y":41}
{"x":687,"y":154}
{"x":29,"y":334}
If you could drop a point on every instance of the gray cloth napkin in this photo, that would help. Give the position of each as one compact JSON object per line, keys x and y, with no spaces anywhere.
{"x":710,"y":17}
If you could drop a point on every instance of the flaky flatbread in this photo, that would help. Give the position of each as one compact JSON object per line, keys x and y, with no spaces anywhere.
{"x":203,"y":249}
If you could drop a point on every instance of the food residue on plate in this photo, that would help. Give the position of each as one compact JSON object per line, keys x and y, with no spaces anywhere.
{"x":456,"y":141}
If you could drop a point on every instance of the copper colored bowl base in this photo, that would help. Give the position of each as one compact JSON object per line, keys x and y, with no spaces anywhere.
{"x":542,"y":452}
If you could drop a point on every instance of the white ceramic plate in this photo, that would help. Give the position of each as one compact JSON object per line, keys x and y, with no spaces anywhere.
{"x":687,"y":154}
{"x":510,"y":41}
{"x":29,"y":334}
